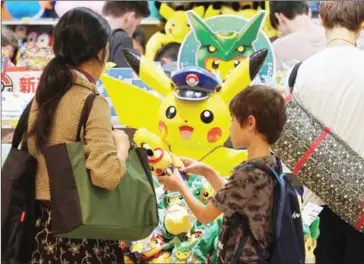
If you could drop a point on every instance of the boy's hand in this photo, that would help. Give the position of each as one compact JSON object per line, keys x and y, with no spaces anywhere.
{"x":172,"y":183}
{"x":196,"y":167}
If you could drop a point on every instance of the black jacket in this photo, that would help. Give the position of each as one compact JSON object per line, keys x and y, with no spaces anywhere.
{"x":119,"y":41}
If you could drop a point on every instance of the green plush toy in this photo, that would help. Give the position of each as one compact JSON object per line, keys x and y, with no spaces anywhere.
{"x":311,"y":234}
{"x":185,"y":252}
{"x":201,"y":189}
{"x":223,"y":51}
{"x":172,"y":198}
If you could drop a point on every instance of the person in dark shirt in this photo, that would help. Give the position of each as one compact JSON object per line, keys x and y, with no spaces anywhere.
{"x":124,"y":17}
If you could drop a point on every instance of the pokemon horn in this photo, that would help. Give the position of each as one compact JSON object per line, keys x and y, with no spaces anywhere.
{"x":146,"y":69}
{"x":323,"y":162}
{"x":243,"y":75}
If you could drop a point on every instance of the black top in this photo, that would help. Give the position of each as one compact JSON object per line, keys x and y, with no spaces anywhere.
{"x":119,"y":41}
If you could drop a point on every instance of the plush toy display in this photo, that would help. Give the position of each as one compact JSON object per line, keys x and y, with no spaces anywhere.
{"x":36,"y":51}
{"x":176,"y":29}
{"x":179,"y":238}
{"x":193,"y":118}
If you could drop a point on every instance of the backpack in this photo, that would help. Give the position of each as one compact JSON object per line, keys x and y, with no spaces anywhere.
{"x":286,"y":235}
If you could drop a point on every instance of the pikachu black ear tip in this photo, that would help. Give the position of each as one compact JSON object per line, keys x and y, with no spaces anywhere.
{"x":133,"y":58}
{"x":256,"y":62}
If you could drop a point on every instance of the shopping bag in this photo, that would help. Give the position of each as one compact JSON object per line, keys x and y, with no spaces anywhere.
{"x":322,"y":161}
{"x":82,"y":210}
{"x":17,"y":198}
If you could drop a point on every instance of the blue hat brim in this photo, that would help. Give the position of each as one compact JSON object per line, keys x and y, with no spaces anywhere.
{"x":192,"y":94}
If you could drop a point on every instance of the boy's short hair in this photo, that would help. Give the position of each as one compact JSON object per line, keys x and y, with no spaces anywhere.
{"x":347,"y":14}
{"x":290,"y":9}
{"x":169,"y":51}
{"x":268,"y":107}
{"x":119,"y":8}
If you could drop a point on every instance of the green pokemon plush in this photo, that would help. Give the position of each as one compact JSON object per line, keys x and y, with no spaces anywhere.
{"x":311,"y":234}
{"x":200,"y":188}
{"x":221,"y":52}
{"x":185,"y":252}
{"x":205,"y":236}
{"x":172,"y":198}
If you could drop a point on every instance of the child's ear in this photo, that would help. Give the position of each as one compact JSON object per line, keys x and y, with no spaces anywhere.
{"x":251,"y":122}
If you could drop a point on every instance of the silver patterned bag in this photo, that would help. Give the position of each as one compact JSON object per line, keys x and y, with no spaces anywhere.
{"x":324,"y":163}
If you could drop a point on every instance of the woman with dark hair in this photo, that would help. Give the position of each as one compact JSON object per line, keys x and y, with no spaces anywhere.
{"x":81,"y":40}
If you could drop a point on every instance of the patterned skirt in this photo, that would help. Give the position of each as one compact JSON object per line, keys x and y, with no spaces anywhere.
{"x":52,"y":250}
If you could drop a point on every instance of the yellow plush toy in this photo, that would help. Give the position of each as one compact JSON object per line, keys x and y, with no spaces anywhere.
{"x":176,"y":29}
{"x":191,"y":128}
{"x":249,"y":13}
{"x":162,"y":162}
{"x":177,"y":220}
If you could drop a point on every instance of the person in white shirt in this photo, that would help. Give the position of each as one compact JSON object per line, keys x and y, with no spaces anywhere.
{"x":300,"y":36}
{"x":330,"y":84}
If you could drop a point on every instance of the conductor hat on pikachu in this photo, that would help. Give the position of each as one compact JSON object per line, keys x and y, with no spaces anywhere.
{"x":195,"y":84}
{"x":191,"y":118}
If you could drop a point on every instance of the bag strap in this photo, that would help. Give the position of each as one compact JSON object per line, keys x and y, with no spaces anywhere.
{"x":21,"y":128}
{"x":293,"y":76}
{"x":86,"y":110}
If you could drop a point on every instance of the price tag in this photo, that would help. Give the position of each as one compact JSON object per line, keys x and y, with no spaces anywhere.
{"x":310,"y":212}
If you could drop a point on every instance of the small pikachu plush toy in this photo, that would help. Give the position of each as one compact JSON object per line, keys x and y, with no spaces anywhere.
{"x":163,"y":163}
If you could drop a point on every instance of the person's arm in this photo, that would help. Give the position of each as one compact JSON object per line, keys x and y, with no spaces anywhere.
{"x":204,"y":213}
{"x":215,"y":180}
{"x":121,"y":41}
{"x":105,"y":160}
{"x":202,"y":169}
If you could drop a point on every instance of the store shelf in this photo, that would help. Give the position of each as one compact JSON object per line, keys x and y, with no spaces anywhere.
{"x":52,"y":22}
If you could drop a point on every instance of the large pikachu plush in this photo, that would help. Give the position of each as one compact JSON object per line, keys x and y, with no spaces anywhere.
{"x":193,"y":117}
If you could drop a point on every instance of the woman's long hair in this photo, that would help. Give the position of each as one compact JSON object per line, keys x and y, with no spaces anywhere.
{"x":78,"y":37}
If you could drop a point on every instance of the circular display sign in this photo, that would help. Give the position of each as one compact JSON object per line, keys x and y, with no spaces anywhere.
{"x":220,"y":43}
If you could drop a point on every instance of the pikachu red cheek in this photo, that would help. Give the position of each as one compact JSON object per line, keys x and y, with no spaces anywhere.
{"x":163,"y":129}
{"x":214,"y":135}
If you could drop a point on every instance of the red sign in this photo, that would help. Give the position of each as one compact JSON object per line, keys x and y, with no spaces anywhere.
{"x":20,"y":81}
